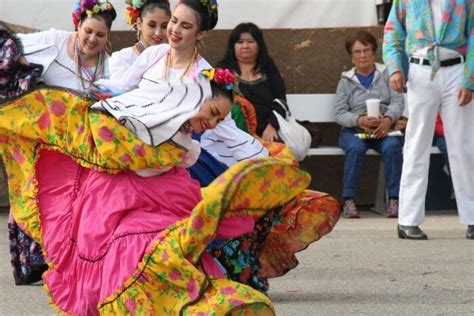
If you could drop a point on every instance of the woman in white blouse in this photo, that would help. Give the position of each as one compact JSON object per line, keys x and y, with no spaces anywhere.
{"x":70,"y":60}
{"x":179,"y":59}
{"x":74,"y":59}
{"x":150,"y":19}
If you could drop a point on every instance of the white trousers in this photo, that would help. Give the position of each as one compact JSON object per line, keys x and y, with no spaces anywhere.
{"x":425,"y":99}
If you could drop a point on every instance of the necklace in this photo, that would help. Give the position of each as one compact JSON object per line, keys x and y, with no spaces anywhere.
{"x":166,"y":70}
{"x":81,"y":68}
{"x":139,"y":47}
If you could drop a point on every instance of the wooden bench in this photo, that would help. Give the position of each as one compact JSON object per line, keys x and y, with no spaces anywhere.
{"x":318,"y":108}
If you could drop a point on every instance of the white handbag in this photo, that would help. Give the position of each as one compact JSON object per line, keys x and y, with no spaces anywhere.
{"x":295,"y":135}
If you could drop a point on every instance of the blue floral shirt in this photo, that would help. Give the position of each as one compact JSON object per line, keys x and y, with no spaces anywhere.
{"x":410,"y":27}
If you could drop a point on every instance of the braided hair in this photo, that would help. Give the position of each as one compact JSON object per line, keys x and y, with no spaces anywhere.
{"x":206,"y":10}
{"x":139,"y":8}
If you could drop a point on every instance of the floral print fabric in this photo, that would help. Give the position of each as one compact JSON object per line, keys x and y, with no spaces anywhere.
{"x":169,"y":278}
{"x":179,"y":248}
{"x":27,"y":259}
{"x":412,"y":21}
{"x":15,"y":77}
{"x":240,"y":256}
{"x":59,"y":119}
{"x":247,"y":110}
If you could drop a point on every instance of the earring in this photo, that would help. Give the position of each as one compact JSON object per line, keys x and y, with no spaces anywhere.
{"x":108,"y":47}
{"x":139,"y":35}
{"x":200,"y":44}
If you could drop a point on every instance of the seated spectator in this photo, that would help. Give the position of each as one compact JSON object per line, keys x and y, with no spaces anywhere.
{"x":259,"y":79}
{"x":367,"y":80}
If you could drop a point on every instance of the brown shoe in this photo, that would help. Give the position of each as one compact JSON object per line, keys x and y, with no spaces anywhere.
{"x":349,"y":210}
{"x":392,"y":211}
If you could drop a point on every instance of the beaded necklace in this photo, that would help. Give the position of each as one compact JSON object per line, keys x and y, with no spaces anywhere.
{"x":139,"y":47}
{"x":91,"y":77}
{"x":166,"y":70}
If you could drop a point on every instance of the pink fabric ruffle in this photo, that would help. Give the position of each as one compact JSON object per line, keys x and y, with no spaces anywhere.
{"x":97,"y":226}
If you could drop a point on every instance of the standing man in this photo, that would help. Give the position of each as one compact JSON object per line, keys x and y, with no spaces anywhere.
{"x":438,"y":37}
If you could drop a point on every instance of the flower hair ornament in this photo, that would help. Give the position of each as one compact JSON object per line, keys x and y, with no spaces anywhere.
{"x":133,"y":9}
{"x":91,"y":7}
{"x":221,"y":76}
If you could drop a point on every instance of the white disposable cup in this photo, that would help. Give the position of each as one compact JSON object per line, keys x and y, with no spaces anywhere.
{"x":373,"y":107}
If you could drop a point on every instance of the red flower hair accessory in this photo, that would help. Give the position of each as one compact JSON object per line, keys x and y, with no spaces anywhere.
{"x":225,"y":78}
{"x":131,"y":15}
{"x":221,"y":76}
{"x":133,"y":10}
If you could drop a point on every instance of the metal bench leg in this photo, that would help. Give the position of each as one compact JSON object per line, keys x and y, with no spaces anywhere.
{"x":381,"y":191}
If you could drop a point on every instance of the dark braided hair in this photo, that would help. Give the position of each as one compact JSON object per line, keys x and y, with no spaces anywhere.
{"x":151,"y":5}
{"x":207,"y":16}
{"x":107,"y":16}
{"x":218,"y":90}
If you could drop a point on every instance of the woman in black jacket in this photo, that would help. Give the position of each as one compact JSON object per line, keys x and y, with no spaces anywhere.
{"x":259,"y":79}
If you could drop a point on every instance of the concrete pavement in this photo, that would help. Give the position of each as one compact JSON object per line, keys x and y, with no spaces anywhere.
{"x":361,"y":268}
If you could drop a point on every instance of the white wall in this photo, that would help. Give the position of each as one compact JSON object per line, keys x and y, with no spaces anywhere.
{"x":43,"y":14}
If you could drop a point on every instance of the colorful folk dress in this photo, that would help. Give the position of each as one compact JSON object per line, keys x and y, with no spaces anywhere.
{"x":119,"y":243}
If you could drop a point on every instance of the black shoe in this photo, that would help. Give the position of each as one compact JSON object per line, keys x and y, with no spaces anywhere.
{"x":411,"y":232}
{"x":470,"y":232}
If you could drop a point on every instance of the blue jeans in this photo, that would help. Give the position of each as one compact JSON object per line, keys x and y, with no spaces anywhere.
{"x":390,"y":148}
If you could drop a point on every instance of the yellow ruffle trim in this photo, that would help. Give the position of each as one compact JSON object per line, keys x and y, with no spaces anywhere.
{"x":168,"y":281}
{"x":59,"y":119}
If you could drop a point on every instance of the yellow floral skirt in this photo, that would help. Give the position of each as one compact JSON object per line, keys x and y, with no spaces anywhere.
{"x":41,"y":131}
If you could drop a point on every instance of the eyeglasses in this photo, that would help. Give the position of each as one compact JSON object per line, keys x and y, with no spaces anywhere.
{"x":358,"y":52}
